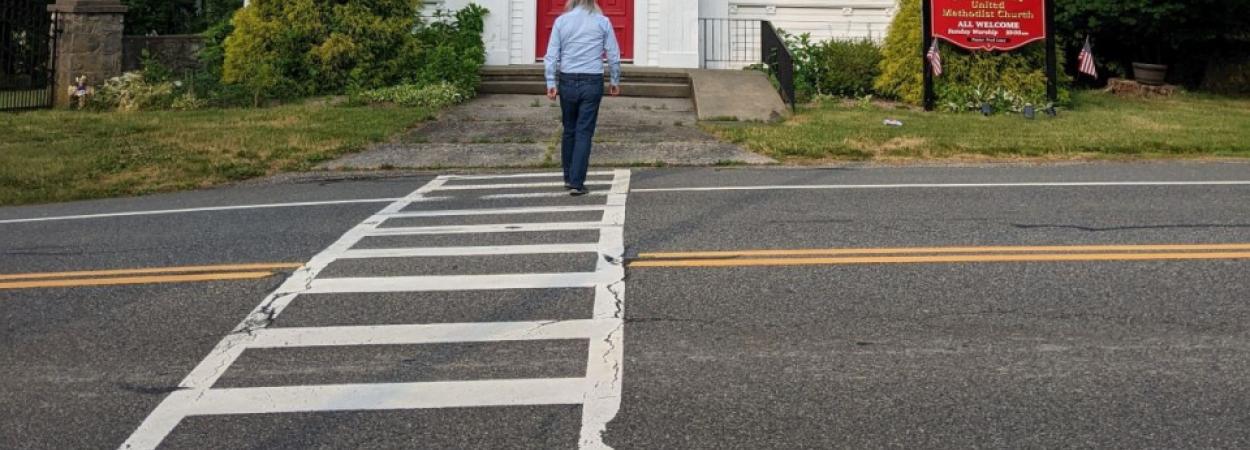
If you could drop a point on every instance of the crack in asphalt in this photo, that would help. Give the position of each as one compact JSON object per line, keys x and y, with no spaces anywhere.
{"x":616,"y":364}
{"x":1130,"y":227}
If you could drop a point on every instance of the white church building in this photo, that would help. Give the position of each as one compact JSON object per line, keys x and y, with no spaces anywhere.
{"x":676,"y":33}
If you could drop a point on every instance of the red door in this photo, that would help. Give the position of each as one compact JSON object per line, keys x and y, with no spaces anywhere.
{"x":621,"y":12}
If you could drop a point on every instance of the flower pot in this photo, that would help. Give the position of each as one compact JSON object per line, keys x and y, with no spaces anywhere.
{"x":1150,"y":74}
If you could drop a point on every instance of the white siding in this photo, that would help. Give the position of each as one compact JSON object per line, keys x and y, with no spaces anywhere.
{"x":652,"y":19}
{"x":518,"y":32}
{"x":827,"y":19}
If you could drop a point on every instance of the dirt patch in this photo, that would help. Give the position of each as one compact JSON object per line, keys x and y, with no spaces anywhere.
{"x":890,"y":147}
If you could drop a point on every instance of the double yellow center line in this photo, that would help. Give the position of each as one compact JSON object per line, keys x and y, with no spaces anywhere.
{"x":143,"y":276}
{"x":921,"y":255}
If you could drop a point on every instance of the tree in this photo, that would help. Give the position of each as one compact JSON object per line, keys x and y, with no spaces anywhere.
{"x":160,"y":16}
{"x":1177,"y":32}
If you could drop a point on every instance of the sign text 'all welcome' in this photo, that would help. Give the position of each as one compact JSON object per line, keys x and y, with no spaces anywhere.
{"x":989,"y":24}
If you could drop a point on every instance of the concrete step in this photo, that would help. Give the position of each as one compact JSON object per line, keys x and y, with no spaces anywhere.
{"x":627,"y":72}
{"x":625,"y":78}
{"x":629,"y":89}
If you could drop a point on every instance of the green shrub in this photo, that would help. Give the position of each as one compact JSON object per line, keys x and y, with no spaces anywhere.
{"x":188,"y":101}
{"x":901,"y":69}
{"x":453,"y":50}
{"x":1184,"y":34}
{"x":839,"y":68}
{"x":213,"y":56}
{"x":155,"y":87}
{"x":434,"y":96}
{"x":1008,"y":80}
{"x":132,"y":92}
{"x":295,"y":48}
{"x":205,"y":82}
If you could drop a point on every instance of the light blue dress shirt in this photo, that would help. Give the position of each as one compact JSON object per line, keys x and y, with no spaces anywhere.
{"x":578,"y":43}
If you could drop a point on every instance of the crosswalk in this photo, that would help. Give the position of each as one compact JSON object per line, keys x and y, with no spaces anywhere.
{"x":598,"y":392}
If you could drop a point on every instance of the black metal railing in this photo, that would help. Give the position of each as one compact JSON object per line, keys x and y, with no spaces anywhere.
{"x":779,"y":60}
{"x":27,"y":42}
{"x":741,"y":43}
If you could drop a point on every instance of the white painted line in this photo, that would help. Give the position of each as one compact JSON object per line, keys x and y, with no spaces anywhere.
{"x":607,"y":355}
{"x":429,"y":334}
{"x":500,"y":228}
{"x":419,"y":195}
{"x":458,"y":283}
{"x":603,"y":386}
{"x":205,"y":209}
{"x":162,"y":420}
{"x":541,"y":249}
{"x":620,"y":184}
{"x":538,"y":195}
{"x":599,"y":392}
{"x":941,"y":185}
{"x":480,"y":187}
{"x":374,"y":397}
{"x":522,"y":175}
{"x":496,"y":211}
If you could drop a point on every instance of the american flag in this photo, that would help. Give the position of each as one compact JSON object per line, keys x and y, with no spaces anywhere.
{"x":1087,"y":60}
{"x":935,"y":59}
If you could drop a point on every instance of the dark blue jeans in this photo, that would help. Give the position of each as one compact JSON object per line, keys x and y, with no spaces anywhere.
{"x":580,"y":96}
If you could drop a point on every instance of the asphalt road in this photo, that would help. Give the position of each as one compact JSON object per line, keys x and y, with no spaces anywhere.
{"x":1108,"y":354}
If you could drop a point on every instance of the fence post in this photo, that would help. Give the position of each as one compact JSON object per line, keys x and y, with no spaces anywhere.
{"x":926,"y":31}
{"x":90,"y":43}
{"x":1052,"y":60}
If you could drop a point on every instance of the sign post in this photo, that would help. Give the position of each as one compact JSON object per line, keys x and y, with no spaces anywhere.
{"x":930,"y":98}
{"x":991,"y":25}
{"x":1052,"y":60}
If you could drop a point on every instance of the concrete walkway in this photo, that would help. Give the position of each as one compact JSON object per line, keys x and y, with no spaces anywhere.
{"x":524,"y":131}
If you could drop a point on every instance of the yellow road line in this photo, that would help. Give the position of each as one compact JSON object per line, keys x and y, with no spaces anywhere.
{"x":84,"y":282}
{"x":1041,"y":257}
{"x":919,"y":250}
{"x":152,"y":271}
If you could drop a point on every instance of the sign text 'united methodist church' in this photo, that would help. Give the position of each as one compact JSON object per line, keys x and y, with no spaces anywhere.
{"x":988,"y":24}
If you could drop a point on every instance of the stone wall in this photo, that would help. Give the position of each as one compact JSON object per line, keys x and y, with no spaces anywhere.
{"x":177,"y":52}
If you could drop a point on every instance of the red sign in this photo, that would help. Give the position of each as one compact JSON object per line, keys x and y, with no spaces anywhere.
{"x":989,"y":24}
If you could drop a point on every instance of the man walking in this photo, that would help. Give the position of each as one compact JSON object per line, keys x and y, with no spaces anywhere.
{"x":580,"y":39}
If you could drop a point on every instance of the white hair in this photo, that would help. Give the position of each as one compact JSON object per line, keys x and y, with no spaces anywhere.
{"x":589,"y":5}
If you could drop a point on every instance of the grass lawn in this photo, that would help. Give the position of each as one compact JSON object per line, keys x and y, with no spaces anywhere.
{"x":48,"y":156}
{"x":1099,"y":126}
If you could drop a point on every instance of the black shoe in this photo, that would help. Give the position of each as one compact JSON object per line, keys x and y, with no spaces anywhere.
{"x":578,"y":192}
{"x":569,"y":187}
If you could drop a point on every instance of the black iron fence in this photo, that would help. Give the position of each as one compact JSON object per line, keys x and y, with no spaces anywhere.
{"x":741,"y":43}
{"x":27,"y":46}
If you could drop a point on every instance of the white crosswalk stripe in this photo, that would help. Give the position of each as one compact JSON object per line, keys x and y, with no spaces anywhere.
{"x":598,"y":392}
